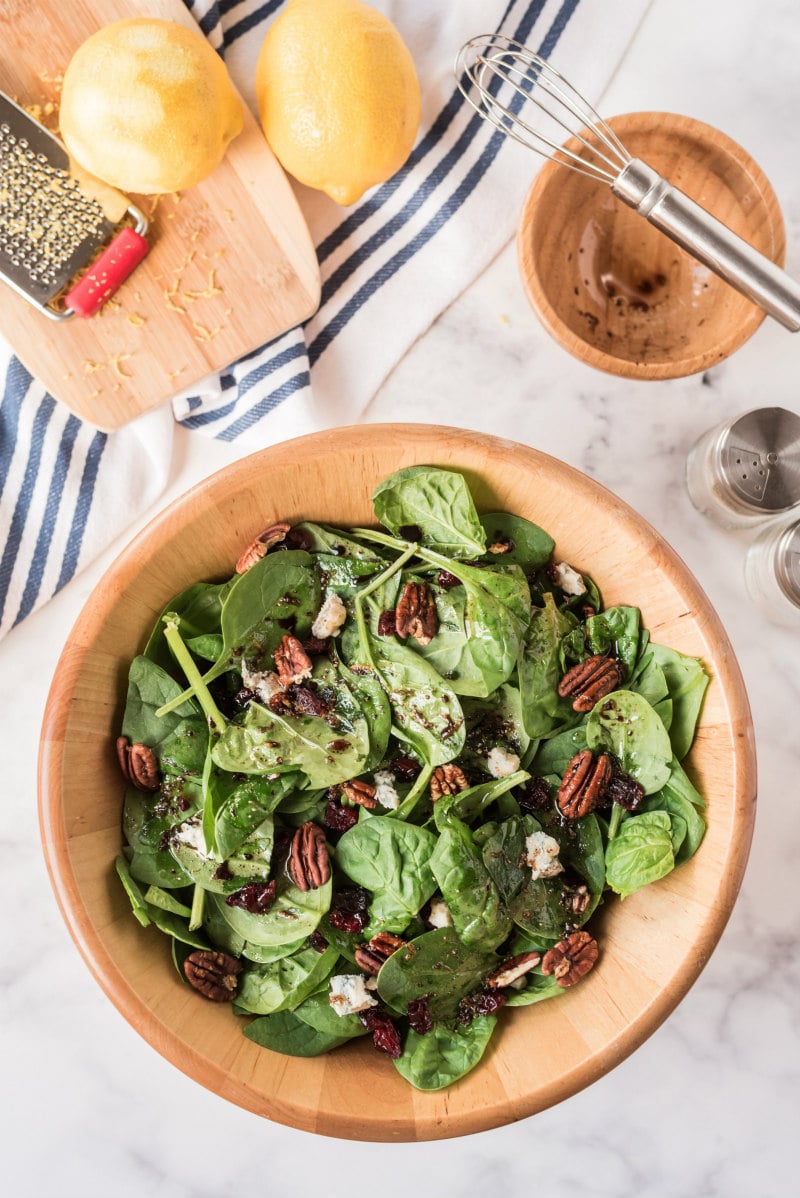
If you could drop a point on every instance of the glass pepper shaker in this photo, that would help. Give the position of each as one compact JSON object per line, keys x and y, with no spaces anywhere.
{"x":747,"y":470}
{"x":772,"y":571}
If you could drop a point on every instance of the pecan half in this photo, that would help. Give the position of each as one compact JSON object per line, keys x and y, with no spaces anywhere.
{"x":309,"y":865}
{"x":570,"y":959}
{"x":513,"y":968}
{"x":500,"y":546}
{"x":214,"y":974}
{"x":447,"y":780}
{"x":415,"y":614}
{"x":585,"y":782}
{"x":139,"y":765}
{"x":291,"y":661}
{"x":591,"y":680}
{"x":371,"y":956}
{"x":576,"y":899}
{"x":259,"y":545}
{"x":360,"y":793}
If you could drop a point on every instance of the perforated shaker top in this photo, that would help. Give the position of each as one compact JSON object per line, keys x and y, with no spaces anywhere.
{"x":760,"y":459}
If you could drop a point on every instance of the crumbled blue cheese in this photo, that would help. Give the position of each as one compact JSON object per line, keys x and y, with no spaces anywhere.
{"x":439,"y":915}
{"x":500,"y":762}
{"x":541,"y":854}
{"x":330,"y":617}
{"x":385,"y":792}
{"x":190,"y":835}
{"x":349,"y":994}
{"x":570,"y":581}
{"x":265,"y":683}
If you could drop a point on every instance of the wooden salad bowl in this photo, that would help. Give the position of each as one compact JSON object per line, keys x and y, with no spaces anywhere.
{"x":654,"y":944}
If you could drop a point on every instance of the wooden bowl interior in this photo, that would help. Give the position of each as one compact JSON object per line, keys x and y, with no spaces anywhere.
{"x":653,"y":945}
{"x":618,"y":293}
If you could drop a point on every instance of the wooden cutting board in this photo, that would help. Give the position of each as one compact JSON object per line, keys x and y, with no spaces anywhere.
{"x":231,"y":266}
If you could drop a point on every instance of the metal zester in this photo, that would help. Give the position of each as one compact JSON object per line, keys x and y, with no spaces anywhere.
{"x":59,"y":248}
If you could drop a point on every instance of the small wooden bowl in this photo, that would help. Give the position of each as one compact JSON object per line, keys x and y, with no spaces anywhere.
{"x":653,"y":945}
{"x":616,"y":292}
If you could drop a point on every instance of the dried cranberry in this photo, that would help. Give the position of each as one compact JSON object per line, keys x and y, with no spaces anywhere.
{"x":405,"y":768}
{"x":409,"y":532}
{"x":536,"y":795}
{"x":337,"y":817}
{"x":385,"y":1035}
{"x":255,"y":897}
{"x":307,"y":702}
{"x":316,"y":644}
{"x":222,"y":873}
{"x":480,"y":1002}
{"x":297,"y":538}
{"x":446,"y":580}
{"x":318,"y":941}
{"x":625,"y":790}
{"x":419,"y":1016}
{"x":350,"y":909}
{"x":387,"y":623}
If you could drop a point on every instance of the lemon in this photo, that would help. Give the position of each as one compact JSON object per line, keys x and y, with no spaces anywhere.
{"x":148,"y":106}
{"x":338,"y":96}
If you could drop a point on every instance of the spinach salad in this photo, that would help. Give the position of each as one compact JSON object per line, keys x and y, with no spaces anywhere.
{"x":380,"y":779}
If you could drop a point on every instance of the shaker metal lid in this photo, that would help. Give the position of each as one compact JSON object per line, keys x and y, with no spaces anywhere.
{"x":787,"y":563}
{"x":760,"y":458}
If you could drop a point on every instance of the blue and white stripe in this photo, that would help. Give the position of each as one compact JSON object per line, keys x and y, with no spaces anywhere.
{"x":389,"y":266}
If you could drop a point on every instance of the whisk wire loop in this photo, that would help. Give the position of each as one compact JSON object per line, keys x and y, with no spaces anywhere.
{"x":498,"y":75}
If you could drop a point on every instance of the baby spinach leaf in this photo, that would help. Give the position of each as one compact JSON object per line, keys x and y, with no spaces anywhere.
{"x":247,"y":806}
{"x":264,"y":954}
{"x":445,"y":1054}
{"x":266,"y":742}
{"x":468,"y":804}
{"x":537,"y":988}
{"x":168,"y":922}
{"x":478,"y":913}
{"x":640,"y":853}
{"x":280,"y":985}
{"x":200,"y":609}
{"x":425,"y":708}
{"x":540,"y":670}
{"x":625,"y":724}
{"x":538,"y":908}
{"x":178,"y":739}
{"x":390,"y":858}
{"x":157,"y":897}
{"x":679,"y":798}
{"x":287,"y":1034}
{"x":554,"y":755}
{"x":615,"y":628}
{"x":294,"y":915}
{"x":249,"y":863}
{"x":449,"y":652}
{"x":318,"y":1013}
{"x":437,"y":965}
{"x":649,"y":681}
{"x":530,"y":545}
{"x":437,"y":502}
{"x":687,"y":681}
{"x":504,"y":853}
{"x":372,"y":700}
{"x":332,"y":542}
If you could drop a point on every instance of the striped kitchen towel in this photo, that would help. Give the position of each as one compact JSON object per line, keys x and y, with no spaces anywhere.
{"x":390,"y":265}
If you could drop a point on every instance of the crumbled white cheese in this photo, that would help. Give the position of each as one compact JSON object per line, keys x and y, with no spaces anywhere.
{"x":439,"y":915}
{"x":541,"y":854}
{"x":349,"y":994}
{"x":570,"y":581}
{"x":500,"y":762}
{"x":371,"y":983}
{"x":385,"y":791}
{"x":265,"y":683}
{"x":330,"y":617}
{"x":190,"y":834}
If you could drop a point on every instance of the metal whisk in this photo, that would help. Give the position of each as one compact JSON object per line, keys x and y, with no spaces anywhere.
{"x":529,"y":101}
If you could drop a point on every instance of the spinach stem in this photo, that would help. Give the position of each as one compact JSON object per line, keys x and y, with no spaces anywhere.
{"x":614,"y":822}
{"x":198,"y":908}
{"x":185,"y":660}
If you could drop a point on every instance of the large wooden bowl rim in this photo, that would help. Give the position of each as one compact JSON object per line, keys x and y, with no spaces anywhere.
{"x":656,"y":942}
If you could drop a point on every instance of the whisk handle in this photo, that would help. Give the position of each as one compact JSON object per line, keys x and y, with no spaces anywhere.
{"x":710,"y":241}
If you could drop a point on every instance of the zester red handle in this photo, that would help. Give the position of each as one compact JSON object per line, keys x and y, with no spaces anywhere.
{"x":110,"y":270}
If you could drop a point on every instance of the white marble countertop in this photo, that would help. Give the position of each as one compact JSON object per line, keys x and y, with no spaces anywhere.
{"x":709,"y":1106}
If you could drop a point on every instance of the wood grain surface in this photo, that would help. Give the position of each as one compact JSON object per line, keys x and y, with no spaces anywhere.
{"x":654,"y":944}
{"x":231,"y":264}
{"x":615,"y":291}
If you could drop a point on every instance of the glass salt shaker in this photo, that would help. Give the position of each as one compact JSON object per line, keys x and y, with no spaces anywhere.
{"x":747,"y":470}
{"x":772,"y":571}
